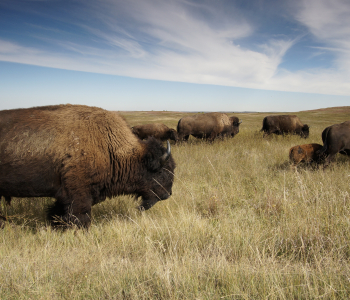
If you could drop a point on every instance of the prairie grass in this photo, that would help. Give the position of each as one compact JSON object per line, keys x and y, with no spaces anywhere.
{"x":240,"y":225}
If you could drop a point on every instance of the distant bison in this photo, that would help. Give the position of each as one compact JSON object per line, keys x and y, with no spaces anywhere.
{"x":79,"y":155}
{"x":304,"y":153}
{"x":336,"y":138}
{"x":283,"y":124}
{"x":157,"y":130}
{"x":207,"y":126}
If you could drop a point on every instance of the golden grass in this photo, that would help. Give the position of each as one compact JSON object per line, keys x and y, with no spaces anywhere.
{"x":240,"y":225}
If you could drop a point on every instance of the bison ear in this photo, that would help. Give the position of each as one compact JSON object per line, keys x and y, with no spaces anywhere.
{"x":155,"y":158}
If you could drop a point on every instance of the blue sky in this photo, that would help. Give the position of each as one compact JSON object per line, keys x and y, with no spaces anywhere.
{"x":184,"y":55}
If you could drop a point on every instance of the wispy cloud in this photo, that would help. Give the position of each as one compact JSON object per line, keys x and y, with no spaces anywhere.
{"x":186,"y":41}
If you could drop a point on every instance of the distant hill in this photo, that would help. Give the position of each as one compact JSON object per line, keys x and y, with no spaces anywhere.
{"x":334,"y":110}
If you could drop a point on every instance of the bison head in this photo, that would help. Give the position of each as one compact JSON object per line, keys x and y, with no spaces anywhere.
{"x":173,"y":135}
{"x":158,"y":173}
{"x":235,"y":122}
{"x":305,"y":131}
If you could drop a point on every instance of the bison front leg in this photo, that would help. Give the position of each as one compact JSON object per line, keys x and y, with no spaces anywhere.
{"x":65,"y":213}
{"x":147,"y":204}
{"x":266,"y":133}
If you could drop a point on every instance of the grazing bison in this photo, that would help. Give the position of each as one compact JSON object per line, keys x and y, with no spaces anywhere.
{"x":157,"y":130}
{"x":79,"y":155}
{"x":336,"y":138}
{"x":304,"y":153}
{"x":283,"y":124}
{"x":207,"y":126}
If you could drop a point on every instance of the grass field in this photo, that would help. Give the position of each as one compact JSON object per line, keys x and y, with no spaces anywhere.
{"x":240,"y":225}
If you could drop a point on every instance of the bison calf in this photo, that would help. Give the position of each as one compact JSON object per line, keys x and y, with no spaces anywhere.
{"x":304,"y":153}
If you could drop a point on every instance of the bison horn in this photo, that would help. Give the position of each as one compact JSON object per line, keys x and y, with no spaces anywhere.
{"x":166,"y":155}
{"x":240,"y":122}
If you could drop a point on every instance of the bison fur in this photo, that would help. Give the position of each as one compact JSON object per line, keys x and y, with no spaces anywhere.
{"x":79,"y":155}
{"x":307,"y":153}
{"x":336,"y":139}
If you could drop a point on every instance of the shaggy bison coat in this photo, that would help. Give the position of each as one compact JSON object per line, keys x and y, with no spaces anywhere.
{"x":158,"y":130}
{"x":284,"y":124}
{"x":79,"y":155}
{"x":207,"y":126}
{"x":304,"y":153}
{"x":336,"y":138}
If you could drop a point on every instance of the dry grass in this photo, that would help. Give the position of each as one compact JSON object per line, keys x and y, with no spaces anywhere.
{"x":240,"y":225}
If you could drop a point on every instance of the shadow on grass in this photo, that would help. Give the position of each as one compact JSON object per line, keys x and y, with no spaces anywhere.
{"x":31,"y":213}
{"x":287,"y":166}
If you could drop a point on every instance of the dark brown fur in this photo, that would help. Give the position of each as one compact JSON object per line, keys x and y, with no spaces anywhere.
{"x":284,"y":124}
{"x":336,"y":138}
{"x":304,"y":153}
{"x":158,"y":130}
{"x":79,"y":155}
{"x":207,"y":126}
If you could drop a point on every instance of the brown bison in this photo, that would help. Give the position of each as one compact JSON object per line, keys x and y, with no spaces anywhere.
{"x":79,"y":155}
{"x":336,"y":138}
{"x":304,"y":153}
{"x":207,"y":126}
{"x":284,"y":124}
{"x":157,"y":130}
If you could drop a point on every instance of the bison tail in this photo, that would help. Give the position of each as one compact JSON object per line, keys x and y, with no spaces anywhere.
{"x":178,"y":126}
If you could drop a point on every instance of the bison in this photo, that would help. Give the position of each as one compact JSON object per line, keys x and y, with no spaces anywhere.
{"x":207,"y":126}
{"x":283,"y":124}
{"x":336,"y":138}
{"x":304,"y":153}
{"x":157,"y":130}
{"x":79,"y":155}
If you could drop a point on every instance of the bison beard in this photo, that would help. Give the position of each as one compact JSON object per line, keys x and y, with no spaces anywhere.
{"x":79,"y":155}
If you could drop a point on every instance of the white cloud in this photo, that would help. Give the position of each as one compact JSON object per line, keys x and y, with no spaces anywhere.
{"x":329,"y":22}
{"x":198,"y":43}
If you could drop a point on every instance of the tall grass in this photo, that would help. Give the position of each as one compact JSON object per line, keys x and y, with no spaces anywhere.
{"x":240,"y":225}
